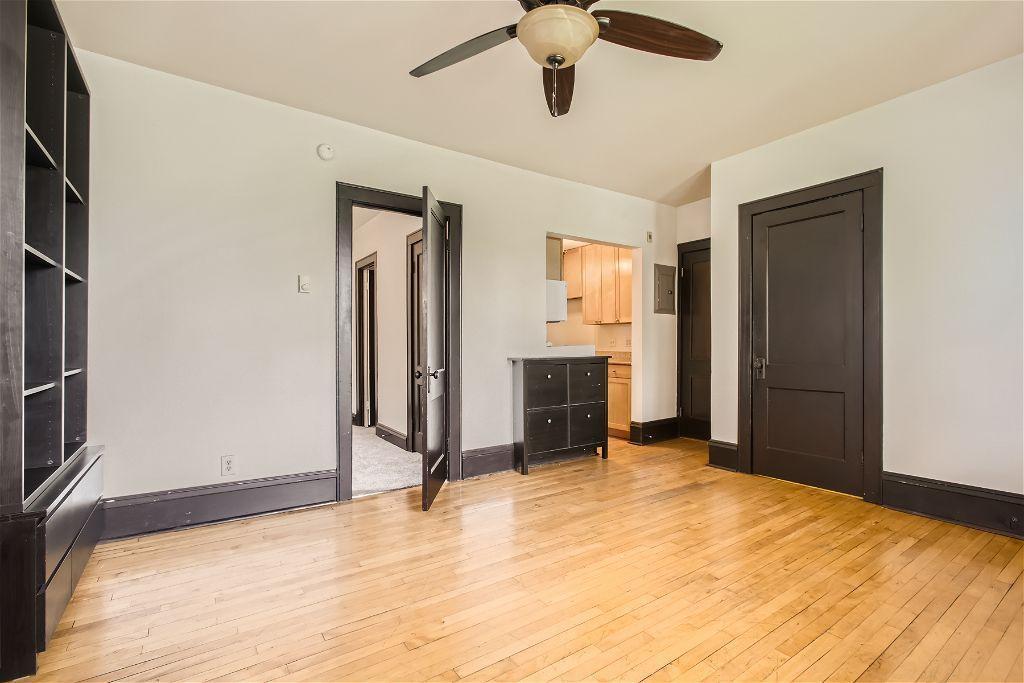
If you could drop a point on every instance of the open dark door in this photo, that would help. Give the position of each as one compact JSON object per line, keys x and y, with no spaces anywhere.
{"x":434,"y":450}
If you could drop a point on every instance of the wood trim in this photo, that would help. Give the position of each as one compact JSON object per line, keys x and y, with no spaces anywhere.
{"x":723,"y":454}
{"x":870,"y":184}
{"x":481,"y":461}
{"x":411,"y":240}
{"x":646,"y":433}
{"x":347,"y":196}
{"x":178,"y":508}
{"x":996,"y":511}
{"x":392,"y":436}
{"x":454,"y":339}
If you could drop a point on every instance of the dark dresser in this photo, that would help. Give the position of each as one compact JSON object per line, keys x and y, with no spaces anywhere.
{"x":560,"y":407}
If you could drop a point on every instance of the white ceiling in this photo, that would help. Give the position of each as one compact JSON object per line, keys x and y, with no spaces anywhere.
{"x":640,"y":124}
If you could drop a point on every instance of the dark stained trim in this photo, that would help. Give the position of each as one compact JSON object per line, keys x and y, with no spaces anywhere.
{"x":996,"y":511}
{"x":723,"y":454}
{"x":870,"y":184}
{"x":646,"y":433}
{"x":480,"y":461}
{"x":347,"y":196}
{"x":178,"y":508}
{"x":411,"y":387}
{"x":392,"y":436}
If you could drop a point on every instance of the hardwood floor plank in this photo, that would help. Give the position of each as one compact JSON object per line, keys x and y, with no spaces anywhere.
{"x":647,"y":566}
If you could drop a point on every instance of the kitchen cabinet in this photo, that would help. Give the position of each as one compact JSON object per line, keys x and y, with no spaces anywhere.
{"x":572,"y":271}
{"x":607,"y":287}
{"x":619,"y":400}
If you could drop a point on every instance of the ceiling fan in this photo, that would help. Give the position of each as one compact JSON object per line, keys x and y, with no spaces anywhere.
{"x":556,"y":33}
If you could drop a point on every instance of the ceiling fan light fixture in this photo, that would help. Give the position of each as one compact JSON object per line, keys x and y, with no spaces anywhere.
{"x":562,"y":30}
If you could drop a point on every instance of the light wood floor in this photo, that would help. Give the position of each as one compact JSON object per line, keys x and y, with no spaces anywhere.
{"x":648,"y":565}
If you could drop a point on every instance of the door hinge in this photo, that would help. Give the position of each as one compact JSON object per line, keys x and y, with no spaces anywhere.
{"x":862,"y":222}
{"x":682,"y":271}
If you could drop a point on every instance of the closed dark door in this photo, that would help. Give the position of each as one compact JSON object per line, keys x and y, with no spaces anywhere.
{"x":807,"y":343}
{"x":695,"y":341}
{"x":417,"y":349}
{"x":435,"y":449}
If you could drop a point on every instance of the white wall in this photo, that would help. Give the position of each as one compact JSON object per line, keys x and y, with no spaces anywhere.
{"x":952,"y":267}
{"x":206,"y":204}
{"x":693,"y":221}
{"x":386,"y":235}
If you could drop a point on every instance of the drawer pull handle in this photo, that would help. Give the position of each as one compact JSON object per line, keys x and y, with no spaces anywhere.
{"x":549,"y":420}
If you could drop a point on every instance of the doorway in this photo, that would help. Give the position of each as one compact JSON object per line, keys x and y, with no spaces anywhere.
{"x":365,"y":286}
{"x":693,"y":365}
{"x":810,"y":336}
{"x":362,"y":285}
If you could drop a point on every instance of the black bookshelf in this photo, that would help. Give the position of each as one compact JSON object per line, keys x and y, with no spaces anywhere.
{"x":50,"y":479}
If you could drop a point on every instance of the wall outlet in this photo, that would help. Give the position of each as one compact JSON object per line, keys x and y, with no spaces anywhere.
{"x":227,"y":465}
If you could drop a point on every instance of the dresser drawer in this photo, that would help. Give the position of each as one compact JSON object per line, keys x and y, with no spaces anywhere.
{"x":588,"y":424}
{"x":546,"y":385}
{"x":586,"y":383}
{"x":547,"y":429}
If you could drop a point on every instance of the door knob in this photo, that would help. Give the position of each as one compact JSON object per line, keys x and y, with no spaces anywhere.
{"x":759,"y":367}
{"x":418,"y":375}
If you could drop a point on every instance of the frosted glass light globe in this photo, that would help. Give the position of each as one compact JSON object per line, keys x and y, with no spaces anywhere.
{"x":561,"y":30}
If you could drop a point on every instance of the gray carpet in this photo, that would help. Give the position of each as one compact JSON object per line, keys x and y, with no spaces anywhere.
{"x":380,"y":466}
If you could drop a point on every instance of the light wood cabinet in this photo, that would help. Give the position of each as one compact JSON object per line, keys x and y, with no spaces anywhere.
{"x":591,"y":284}
{"x":607,"y":286}
{"x":572,"y":271}
{"x":554,"y":258}
{"x":619,"y":400}
{"x":624,"y":280}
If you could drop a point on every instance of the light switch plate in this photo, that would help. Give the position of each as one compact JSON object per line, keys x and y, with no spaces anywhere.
{"x":305,"y":286}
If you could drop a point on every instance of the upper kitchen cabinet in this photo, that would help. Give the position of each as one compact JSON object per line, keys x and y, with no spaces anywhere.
{"x":572,"y":271}
{"x":607,"y":283}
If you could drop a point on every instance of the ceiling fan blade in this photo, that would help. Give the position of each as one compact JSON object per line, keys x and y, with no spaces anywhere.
{"x":657,"y":35}
{"x":465,"y":50}
{"x":558,"y":85}
{"x":585,"y":4}
{"x":533,"y":4}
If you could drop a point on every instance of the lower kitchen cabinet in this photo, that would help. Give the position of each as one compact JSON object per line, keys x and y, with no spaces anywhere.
{"x":619,"y":400}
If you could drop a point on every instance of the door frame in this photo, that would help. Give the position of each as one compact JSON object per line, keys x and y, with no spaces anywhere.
{"x":681,"y":249}
{"x":411,"y":307}
{"x":363,"y":391}
{"x":870,"y":184}
{"x":348,"y":196}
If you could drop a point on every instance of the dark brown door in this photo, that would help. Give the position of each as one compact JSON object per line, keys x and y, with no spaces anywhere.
{"x":435,"y":448}
{"x":417,"y":351}
{"x":695,"y":340}
{"x":807,"y":342}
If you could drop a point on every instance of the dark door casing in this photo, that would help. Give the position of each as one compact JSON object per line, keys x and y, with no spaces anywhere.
{"x":417,"y":350}
{"x":694,"y":347}
{"x":807,"y":322}
{"x":435,"y":449}
{"x":365,"y":370}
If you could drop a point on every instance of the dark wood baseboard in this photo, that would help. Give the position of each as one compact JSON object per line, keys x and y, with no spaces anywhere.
{"x":723,"y":454}
{"x":392,"y":436}
{"x":695,"y":429}
{"x":488,"y":460}
{"x":164,"y":510}
{"x":644,"y":433}
{"x":996,"y":511}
